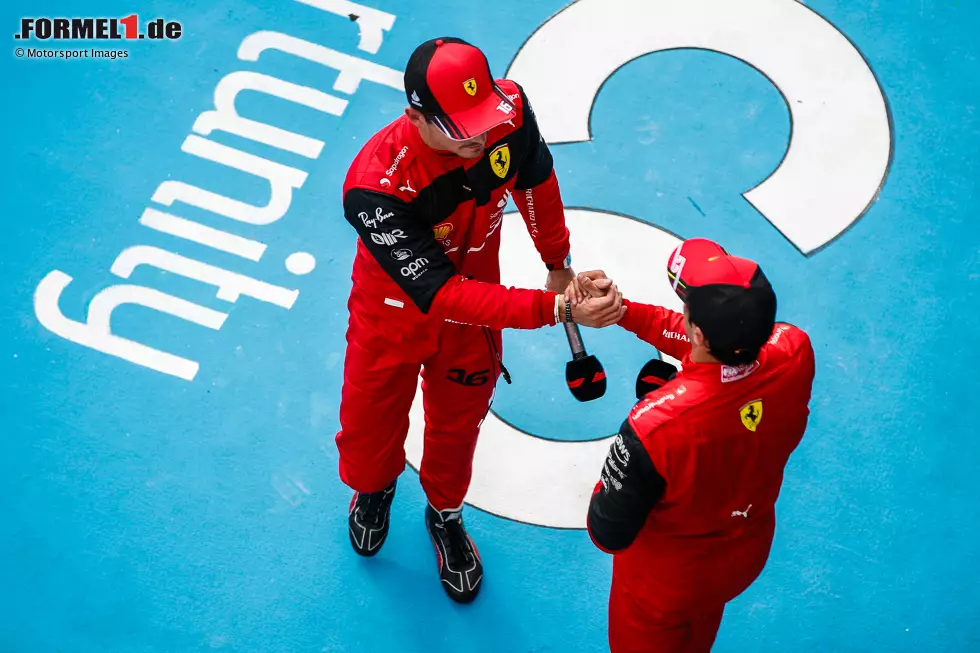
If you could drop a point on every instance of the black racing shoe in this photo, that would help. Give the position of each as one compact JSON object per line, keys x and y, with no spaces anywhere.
{"x":460,"y":567}
{"x":369,"y":519}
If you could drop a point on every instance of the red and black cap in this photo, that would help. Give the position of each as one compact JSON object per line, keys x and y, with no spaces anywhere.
{"x":728,"y":297}
{"x":449,"y":80}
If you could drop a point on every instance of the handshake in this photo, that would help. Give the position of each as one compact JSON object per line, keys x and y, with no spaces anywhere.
{"x":595,"y":300}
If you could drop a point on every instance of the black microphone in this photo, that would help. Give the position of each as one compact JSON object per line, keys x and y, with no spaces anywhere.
{"x":655,"y":374}
{"x":584,"y":374}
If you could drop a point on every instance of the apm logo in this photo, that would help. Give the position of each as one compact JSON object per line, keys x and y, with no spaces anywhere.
{"x":96,"y":29}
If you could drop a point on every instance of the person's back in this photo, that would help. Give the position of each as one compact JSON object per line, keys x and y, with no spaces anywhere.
{"x":720,"y":437}
{"x":686,"y":498}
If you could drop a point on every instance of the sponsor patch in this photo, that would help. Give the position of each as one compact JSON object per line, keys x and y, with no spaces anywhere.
{"x":738,"y":372}
{"x":401,"y":254}
{"x":649,"y":405}
{"x":379,"y":217}
{"x":394,"y":164}
{"x":389,"y":238}
{"x":779,"y":331}
{"x":442,"y":231}
{"x":416,"y":268}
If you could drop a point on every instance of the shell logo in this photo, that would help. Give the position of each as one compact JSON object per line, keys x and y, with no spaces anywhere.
{"x":442,"y":230}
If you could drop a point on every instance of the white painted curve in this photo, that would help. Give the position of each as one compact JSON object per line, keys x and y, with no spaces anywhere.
{"x":840,"y":146}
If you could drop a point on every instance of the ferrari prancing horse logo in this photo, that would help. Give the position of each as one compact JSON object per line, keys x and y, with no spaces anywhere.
{"x":500,"y":160}
{"x":470,"y":86}
{"x":751,"y":414}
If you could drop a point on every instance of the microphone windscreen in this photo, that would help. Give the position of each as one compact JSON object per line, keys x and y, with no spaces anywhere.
{"x":653,"y":375}
{"x":585,"y":377}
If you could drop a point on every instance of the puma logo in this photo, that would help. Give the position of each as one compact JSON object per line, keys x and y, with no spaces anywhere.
{"x":407,"y":187}
{"x":739,"y":513}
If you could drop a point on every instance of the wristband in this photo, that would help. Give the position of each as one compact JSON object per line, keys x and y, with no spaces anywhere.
{"x":568,"y":311}
{"x":558,"y":299}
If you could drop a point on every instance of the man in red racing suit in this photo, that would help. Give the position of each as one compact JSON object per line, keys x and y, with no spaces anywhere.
{"x":686,"y":499}
{"x":426,"y":196}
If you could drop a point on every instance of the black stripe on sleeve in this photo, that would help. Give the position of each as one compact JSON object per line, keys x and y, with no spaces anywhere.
{"x":631,"y":487}
{"x":402,"y":243}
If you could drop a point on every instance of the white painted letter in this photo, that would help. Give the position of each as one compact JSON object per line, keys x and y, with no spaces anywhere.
{"x":226,"y":117}
{"x":96,"y":332}
{"x":199,"y":233}
{"x":282,"y":179}
{"x":352,"y":70}
{"x":177,"y":191}
{"x":372,"y":22}
{"x":230,"y":284}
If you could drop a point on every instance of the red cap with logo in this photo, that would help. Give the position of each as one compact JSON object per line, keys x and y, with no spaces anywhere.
{"x":449,"y":81}
{"x":728,"y":297}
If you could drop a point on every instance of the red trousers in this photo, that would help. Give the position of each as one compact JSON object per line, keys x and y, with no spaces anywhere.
{"x":639,"y":629}
{"x":381,"y":370}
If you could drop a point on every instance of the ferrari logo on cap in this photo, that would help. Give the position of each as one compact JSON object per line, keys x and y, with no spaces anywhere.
{"x":500,"y":160}
{"x":470,"y":86}
{"x":751,"y":414}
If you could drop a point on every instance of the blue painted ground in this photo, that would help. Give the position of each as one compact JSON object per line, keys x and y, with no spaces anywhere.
{"x":141,"y":512}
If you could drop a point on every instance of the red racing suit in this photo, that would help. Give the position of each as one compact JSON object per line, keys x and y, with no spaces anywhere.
{"x":686,"y":500}
{"x":426,"y":294}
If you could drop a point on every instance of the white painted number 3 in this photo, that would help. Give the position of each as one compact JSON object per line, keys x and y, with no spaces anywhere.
{"x":835,"y":165}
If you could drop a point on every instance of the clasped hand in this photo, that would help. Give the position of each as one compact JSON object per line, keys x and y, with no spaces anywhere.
{"x":596,"y":300}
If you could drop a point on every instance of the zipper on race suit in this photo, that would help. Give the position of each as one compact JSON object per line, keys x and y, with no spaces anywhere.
{"x":495,"y":353}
